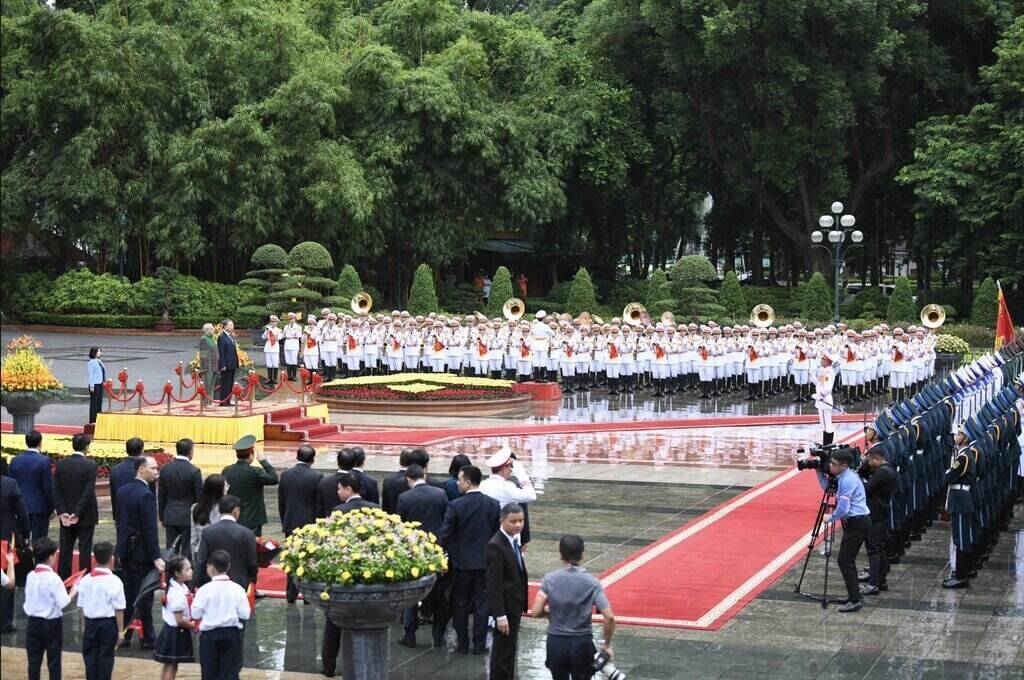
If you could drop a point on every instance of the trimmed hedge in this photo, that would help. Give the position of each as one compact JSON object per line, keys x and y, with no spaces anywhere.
{"x":91,"y":320}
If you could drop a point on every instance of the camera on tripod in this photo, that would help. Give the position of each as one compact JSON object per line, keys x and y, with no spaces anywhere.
{"x":819,"y":457}
{"x":603,"y":664}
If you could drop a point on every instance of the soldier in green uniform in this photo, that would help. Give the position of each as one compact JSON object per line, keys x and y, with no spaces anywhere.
{"x":247,"y":482}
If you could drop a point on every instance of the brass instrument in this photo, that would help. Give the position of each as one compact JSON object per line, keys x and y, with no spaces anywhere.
{"x":762,"y":316}
{"x":933,"y":316}
{"x":586,"y":318}
{"x":565,"y":316}
{"x":513,"y":309}
{"x":633,"y":313}
{"x":362,"y":303}
{"x":668,"y":317}
{"x":598,"y":320}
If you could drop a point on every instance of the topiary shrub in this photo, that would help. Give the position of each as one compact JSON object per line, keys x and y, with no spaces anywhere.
{"x":501,"y":290}
{"x":870,"y":295}
{"x":659,"y":307}
{"x":689,"y":289}
{"x":349,"y":283}
{"x":269,"y":256}
{"x":655,"y":289}
{"x":986,"y":304}
{"x":422,"y":296}
{"x":582,"y":296}
{"x":817,"y":300}
{"x":461,"y":298}
{"x":950,"y":311}
{"x":902,"y":308}
{"x":310,"y":257}
{"x":730,"y":296}
{"x":559,"y":292}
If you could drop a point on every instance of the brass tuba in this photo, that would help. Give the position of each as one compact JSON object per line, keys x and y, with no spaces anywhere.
{"x":633,"y":313}
{"x":586,"y":318}
{"x":933,"y":316}
{"x":668,"y":317}
{"x":762,"y":316}
{"x":362,"y":303}
{"x":513,"y":309}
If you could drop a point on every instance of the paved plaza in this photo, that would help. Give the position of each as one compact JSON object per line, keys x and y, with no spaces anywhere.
{"x":622,"y":491}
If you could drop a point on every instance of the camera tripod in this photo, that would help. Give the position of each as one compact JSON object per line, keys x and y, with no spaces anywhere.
{"x":828,"y":503}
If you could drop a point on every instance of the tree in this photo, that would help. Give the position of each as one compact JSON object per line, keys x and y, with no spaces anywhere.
{"x":902,"y":308}
{"x":655,"y":288}
{"x":270,"y":264}
{"x":817,"y":299}
{"x":422,"y":297}
{"x":986,"y":304}
{"x":689,"y":288}
{"x":582,"y":297}
{"x":349,"y":283}
{"x":731,"y":297}
{"x":501,"y":290}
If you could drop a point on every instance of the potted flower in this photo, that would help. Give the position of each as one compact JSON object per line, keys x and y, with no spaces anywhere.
{"x":26,"y":382}
{"x":363,"y":568}
{"x":949,"y":353}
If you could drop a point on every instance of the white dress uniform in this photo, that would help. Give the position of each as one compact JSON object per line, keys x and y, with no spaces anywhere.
{"x":395,"y":351}
{"x":272,"y":345}
{"x":311,"y":347}
{"x":823,"y":398}
{"x":354,"y":349}
{"x":292,"y":337}
{"x":330,"y":339}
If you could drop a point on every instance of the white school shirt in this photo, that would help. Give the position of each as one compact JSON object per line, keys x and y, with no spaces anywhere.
{"x":176,"y":600}
{"x":221,"y":603}
{"x":100,"y":594}
{"x":45,"y":596}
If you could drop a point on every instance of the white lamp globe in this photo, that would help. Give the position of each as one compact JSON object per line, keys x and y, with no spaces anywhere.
{"x":857,"y":236}
{"x":847,"y":221}
{"x":826,"y":221}
{"x":836,"y":236}
{"x":837,"y":207}
{"x":817,"y":236}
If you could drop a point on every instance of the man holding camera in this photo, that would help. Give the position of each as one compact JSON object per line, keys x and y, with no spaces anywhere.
{"x":852,"y":509}
{"x":879,"y":485}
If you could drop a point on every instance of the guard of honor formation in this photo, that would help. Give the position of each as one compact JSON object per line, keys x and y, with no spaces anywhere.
{"x":628,"y":354}
{"x":956,"y":445}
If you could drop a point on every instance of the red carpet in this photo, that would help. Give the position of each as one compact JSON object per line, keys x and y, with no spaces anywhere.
{"x":702,"y":574}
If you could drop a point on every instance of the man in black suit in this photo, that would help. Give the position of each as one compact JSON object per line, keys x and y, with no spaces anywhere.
{"x":369,"y":487}
{"x":348,"y":489}
{"x":74,"y":498}
{"x":124,"y":472}
{"x":506,"y":590}
{"x":13,"y":525}
{"x":138,"y":543}
{"x":227,"y":362}
{"x":296,"y":500}
{"x":327,"y":488}
{"x":427,"y":505}
{"x":179,"y":486}
{"x":238,"y":541}
{"x":394,"y":485}
{"x":469,"y":524}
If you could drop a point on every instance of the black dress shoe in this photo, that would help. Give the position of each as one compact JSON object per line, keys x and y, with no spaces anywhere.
{"x":327,"y":672}
{"x":406,"y":642}
{"x":291,"y":600}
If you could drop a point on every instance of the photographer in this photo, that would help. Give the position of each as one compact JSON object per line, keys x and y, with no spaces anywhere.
{"x":568,"y":596}
{"x":852,"y":509}
{"x":879,"y":485}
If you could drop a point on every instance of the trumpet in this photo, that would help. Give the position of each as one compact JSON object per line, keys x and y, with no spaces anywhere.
{"x":933,"y":316}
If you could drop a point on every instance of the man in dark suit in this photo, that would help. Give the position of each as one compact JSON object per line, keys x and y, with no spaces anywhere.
{"x":74,"y":497}
{"x":124,"y":472}
{"x":348,"y":489}
{"x":296,"y":500}
{"x":469,"y":523}
{"x":229,"y":535}
{"x":138,"y":543}
{"x":31,"y":470}
{"x":13,"y":526}
{"x":394,"y":484}
{"x":506,"y":590}
{"x":179,"y":486}
{"x":227,"y":361}
{"x":427,"y":505}
{"x":247,"y":482}
{"x":370,"y":491}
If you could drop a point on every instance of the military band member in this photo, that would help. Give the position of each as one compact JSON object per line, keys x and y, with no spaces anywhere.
{"x":292,"y":338}
{"x":311,"y":346}
{"x":330,"y":339}
{"x":272,"y":349}
{"x":823,"y":398}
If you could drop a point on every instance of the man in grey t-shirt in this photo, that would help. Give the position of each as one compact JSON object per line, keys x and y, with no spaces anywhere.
{"x":568,"y":596}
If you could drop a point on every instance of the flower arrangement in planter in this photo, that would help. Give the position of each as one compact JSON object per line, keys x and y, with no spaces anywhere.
{"x":26,"y":382}
{"x":418,"y":387}
{"x":951,"y":344}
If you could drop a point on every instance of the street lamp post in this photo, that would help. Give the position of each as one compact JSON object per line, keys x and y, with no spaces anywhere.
{"x":838,"y":226}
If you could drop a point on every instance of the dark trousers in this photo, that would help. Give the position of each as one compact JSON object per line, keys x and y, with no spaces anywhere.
{"x":132,"y":573}
{"x":331,"y":646}
{"x":39,"y":524}
{"x":227,"y":381}
{"x":99,"y":637}
{"x":220,"y":653}
{"x":434,"y":603}
{"x":470,"y":596}
{"x":503,"y":651}
{"x":855,"y":531}
{"x":171,"y":533}
{"x":6,"y":609}
{"x":570,"y":657}
{"x":878,"y":561}
{"x":95,"y":402}
{"x":68,"y":537}
{"x":43,"y":635}
{"x":291,"y":590}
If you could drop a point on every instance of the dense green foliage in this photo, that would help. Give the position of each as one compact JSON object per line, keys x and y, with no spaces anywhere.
{"x":501,"y":290}
{"x":986,"y":304}
{"x":422,"y":297}
{"x":349,"y":284}
{"x":902,"y":308}
{"x":582,"y":297}
{"x":730,"y":296}
{"x":688,"y":287}
{"x":817,"y":300}
{"x":655,"y":289}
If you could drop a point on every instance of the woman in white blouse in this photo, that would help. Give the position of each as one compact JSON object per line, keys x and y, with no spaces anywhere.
{"x":204,"y":511}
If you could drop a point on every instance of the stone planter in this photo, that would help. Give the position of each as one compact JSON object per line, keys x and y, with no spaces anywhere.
{"x":23,"y":408}
{"x":365,"y":614}
{"x":947,"y":362}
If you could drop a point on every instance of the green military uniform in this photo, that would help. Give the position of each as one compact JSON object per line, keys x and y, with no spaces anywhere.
{"x":247,"y":482}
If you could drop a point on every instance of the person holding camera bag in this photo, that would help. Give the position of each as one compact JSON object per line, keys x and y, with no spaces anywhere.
{"x":879,"y":485}
{"x":568,"y":596}
{"x":852,"y":509}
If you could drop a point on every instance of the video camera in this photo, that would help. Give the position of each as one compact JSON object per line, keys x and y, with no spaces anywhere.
{"x":819,"y":457}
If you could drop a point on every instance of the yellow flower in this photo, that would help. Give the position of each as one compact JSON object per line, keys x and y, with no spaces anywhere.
{"x":286,"y":569}
{"x":372,"y":540}
{"x":431,"y":567}
{"x":415,"y":572}
{"x":367,"y":574}
{"x":361,"y":530}
{"x":283,"y":554}
{"x":300,"y":571}
{"x":343,"y":543}
{"x":325,"y":595}
{"x":379,"y":523}
{"x":407,"y":533}
{"x":356,"y":556}
{"x":390,"y":554}
{"x":390,"y":573}
{"x":311,"y":547}
{"x":346,"y":576}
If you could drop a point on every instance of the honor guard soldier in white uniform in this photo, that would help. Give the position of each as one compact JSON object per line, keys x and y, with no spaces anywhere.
{"x":540,"y":343}
{"x":292,"y":337}
{"x":311,"y":346}
{"x":272,"y":349}
{"x":330,"y":339}
{"x":825,"y":380}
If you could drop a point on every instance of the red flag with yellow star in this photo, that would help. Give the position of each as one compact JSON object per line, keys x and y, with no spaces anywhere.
{"x":1004,"y":324}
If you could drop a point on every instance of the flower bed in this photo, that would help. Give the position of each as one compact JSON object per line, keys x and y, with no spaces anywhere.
{"x":418,"y":387}
{"x":106,"y":455}
{"x":366,"y":546}
{"x":24,"y":372}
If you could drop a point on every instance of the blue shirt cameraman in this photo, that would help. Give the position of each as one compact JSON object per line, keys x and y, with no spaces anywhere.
{"x":852,"y":510}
